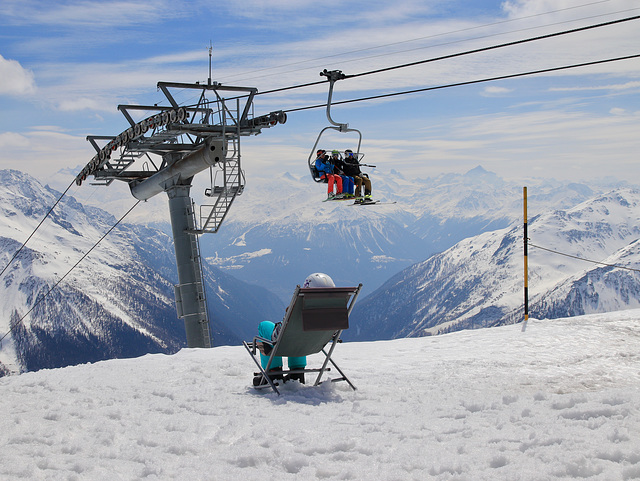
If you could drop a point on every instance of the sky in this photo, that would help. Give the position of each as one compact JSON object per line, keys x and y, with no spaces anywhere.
{"x":65,"y":66}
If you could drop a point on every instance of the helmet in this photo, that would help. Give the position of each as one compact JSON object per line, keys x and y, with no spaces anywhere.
{"x":335,"y":152}
{"x":318,"y":279}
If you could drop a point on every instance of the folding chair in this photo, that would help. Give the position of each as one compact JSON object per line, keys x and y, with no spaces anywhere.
{"x":315,"y":317}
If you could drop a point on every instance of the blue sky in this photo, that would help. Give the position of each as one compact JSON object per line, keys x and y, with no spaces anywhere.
{"x":66,"y":65}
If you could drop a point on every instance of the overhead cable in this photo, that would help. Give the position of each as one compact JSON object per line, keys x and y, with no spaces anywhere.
{"x":37,"y":227}
{"x":411,"y":40}
{"x":433,"y":45}
{"x":502,"y":45}
{"x":460,"y":54}
{"x":469,"y":82}
{"x":582,"y":258}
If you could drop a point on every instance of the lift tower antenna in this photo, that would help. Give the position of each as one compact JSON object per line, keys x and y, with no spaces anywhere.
{"x":163,"y":152}
{"x":210,"y":53}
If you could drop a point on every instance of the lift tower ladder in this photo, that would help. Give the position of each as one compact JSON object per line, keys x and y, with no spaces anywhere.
{"x":163,"y":152}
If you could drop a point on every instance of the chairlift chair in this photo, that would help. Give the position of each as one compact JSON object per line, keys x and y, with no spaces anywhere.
{"x":332,"y":76}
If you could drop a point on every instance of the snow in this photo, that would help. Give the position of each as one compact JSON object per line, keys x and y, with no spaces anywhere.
{"x":556,"y":400}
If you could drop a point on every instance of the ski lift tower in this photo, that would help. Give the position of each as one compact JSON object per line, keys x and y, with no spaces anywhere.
{"x":163,"y":152}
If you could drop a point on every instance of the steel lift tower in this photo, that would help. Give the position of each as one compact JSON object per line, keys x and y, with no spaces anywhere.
{"x":163,"y":152}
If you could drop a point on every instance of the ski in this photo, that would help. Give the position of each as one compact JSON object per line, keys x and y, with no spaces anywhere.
{"x":367,"y":202}
{"x":372,"y":202}
{"x":330,"y":199}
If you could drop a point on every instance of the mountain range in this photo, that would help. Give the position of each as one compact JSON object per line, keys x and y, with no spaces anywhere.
{"x":280,"y":230}
{"x":479,"y":282}
{"x":118,"y":302}
{"x":440,"y":254}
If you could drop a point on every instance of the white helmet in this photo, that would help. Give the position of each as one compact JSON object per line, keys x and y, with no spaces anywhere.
{"x":318,"y":279}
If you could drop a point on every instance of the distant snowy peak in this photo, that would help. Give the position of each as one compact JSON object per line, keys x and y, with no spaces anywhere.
{"x":279,"y":230}
{"x":480,"y":171}
{"x":598,"y":226}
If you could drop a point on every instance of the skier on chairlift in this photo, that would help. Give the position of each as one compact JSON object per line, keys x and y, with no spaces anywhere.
{"x":326,"y":170}
{"x":351,"y":167}
{"x":347,"y":181}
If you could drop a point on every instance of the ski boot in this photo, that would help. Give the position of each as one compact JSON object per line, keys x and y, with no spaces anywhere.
{"x":274,"y":374}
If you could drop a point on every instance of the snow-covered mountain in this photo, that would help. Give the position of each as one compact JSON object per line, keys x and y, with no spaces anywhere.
{"x":479,"y":281}
{"x":279,"y":230}
{"x":118,"y":302}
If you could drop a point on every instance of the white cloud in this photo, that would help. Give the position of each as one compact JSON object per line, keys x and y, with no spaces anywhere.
{"x":494,"y":91}
{"x":13,"y":140}
{"x":43,"y":150}
{"x":15,"y":79}
{"x":529,"y":8}
{"x":614,"y":87}
{"x":84,"y":103}
{"x":85,"y":13}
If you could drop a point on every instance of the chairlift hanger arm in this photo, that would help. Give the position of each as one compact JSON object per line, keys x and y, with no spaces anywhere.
{"x":333,"y":76}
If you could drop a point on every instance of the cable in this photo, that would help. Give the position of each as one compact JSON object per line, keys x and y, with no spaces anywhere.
{"x":469,"y":82}
{"x":507,"y":44}
{"x":481,"y":37}
{"x":459,"y":54}
{"x":468,"y":52}
{"x":37,"y":227}
{"x":67,"y":273}
{"x":582,"y":258}
{"x":428,"y":37}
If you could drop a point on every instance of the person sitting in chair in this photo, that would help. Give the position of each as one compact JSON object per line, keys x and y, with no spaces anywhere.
{"x":338,"y":168}
{"x":270,"y":330}
{"x":326,"y":170}
{"x":352,"y":167}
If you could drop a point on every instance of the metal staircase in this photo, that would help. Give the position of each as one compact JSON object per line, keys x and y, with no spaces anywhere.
{"x":211,"y":216}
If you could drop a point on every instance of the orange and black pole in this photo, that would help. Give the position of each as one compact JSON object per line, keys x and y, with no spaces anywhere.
{"x":526,"y":262}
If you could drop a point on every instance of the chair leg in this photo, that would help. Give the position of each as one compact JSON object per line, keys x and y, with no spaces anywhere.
{"x":342,"y":374}
{"x":329,"y":359}
{"x":326,"y":361}
{"x":264,"y":374}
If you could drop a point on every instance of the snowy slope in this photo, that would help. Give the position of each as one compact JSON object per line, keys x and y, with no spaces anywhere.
{"x":119,"y":302}
{"x":479,"y":282}
{"x":557,"y":401}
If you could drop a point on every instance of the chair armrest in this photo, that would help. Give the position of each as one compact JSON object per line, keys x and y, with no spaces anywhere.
{"x":265,"y":346}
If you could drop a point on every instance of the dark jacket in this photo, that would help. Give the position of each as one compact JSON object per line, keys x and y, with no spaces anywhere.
{"x":351,"y":167}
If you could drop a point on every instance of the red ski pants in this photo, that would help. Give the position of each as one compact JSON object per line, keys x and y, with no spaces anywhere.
{"x":331,"y":178}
